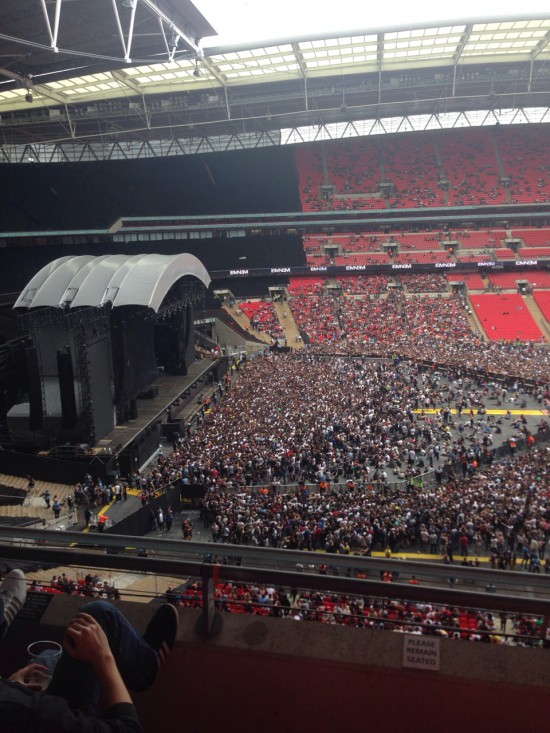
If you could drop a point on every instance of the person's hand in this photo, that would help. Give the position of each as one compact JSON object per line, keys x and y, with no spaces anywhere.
{"x":34,"y":676}
{"x":85,"y":640}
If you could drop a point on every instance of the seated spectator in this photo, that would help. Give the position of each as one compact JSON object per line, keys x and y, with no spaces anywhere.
{"x":103,"y":658}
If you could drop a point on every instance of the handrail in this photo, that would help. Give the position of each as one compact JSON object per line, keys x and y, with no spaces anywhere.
{"x":210,"y":622}
{"x":269,"y":573}
{"x":85,"y":545}
{"x":366,"y":618}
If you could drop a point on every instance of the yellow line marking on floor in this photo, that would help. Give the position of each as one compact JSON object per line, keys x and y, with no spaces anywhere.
{"x":434,"y":558}
{"x":101,"y":512}
{"x":466,"y":413}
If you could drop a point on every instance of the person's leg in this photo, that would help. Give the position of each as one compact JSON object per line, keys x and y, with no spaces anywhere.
{"x":138,"y":660}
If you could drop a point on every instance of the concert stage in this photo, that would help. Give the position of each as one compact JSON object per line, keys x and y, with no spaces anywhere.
{"x":135,"y":441}
{"x":128,"y":446}
{"x":112,"y":348}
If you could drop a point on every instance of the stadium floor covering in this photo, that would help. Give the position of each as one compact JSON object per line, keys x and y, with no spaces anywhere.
{"x":466,"y":413}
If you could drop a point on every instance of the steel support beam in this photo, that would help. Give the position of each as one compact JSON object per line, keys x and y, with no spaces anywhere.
{"x":153,"y":7}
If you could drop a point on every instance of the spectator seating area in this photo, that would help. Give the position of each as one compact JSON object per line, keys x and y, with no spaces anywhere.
{"x":350,"y":203}
{"x":505,"y":280}
{"x":473,"y":257}
{"x":542,"y":299}
{"x":89,"y":585}
{"x":374,"y":258}
{"x":429,"y":283}
{"x":523,"y":152}
{"x":310,"y":177}
{"x":474,"y":161}
{"x":364,"y":284}
{"x":359,"y":242}
{"x":354,"y":168}
{"x":386,"y":320}
{"x":421,"y":257}
{"x":315,"y":316}
{"x":436,"y":319}
{"x":533,"y":237}
{"x":473,"y":280}
{"x":313,"y":243}
{"x":508,"y":280}
{"x":537,"y":278}
{"x":372,"y":322}
{"x":263,"y":317}
{"x":306,"y":285}
{"x":479,"y":239}
{"x":410,"y":163}
{"x":469,"y":162}
{"x":534,"y":252}
{"x":316,"y":260}
{"x":417,"y":240}
{"x":425,"y":247}
{"x":360,"y":612}
{"x":505,"y":254}
{"x":505,"y":317}
{"x":382,"y":323}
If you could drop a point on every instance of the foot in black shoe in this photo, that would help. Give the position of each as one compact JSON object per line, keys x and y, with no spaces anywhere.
{"x":161,"y":632}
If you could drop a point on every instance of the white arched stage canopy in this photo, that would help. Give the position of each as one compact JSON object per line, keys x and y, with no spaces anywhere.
{"x":88,"y":281}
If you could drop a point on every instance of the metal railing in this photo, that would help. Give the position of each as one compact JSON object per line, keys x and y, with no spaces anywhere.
{"x":441,"y":584}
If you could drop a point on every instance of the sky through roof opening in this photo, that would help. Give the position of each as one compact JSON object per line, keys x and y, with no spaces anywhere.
{"x":248,"y":21}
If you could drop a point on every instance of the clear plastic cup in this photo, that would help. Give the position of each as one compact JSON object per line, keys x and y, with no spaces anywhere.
{"x":48,"y":654}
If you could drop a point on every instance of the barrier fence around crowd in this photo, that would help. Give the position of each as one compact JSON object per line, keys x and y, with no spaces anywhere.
{"x":504,"y":379}
{"x":421,"y":481}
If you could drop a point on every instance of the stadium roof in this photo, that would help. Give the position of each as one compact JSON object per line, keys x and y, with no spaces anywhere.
{"x":134,"y":70}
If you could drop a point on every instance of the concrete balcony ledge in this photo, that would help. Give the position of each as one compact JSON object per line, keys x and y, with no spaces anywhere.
{"x":263,"y":673}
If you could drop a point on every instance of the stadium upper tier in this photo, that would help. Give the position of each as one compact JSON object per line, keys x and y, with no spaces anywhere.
{"x":441,"y":248}
{"x":475,"y":167}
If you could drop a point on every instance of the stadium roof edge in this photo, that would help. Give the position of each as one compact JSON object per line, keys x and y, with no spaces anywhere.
{"x":265,"y":42}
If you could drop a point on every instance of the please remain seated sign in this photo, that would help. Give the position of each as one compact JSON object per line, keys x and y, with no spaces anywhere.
{"x":421,"y":652}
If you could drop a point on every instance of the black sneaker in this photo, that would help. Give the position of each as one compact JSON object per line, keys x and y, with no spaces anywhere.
{"x":161,"y":632}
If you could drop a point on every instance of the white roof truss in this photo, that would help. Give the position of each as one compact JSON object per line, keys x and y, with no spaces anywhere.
{"x":461,"y":43}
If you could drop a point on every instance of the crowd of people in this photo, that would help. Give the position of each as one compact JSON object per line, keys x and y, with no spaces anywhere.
{"x":499,"y":510}
{"x":364,"y":423}
{"x":424,"y":328}
{"x":366,"y":612}
{"x":92,"y":492}
{"x":89,"y":585}
{"x":428,"y":283}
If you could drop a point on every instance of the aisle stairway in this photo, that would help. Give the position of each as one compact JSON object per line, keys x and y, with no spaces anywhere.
{"x":34,"y":505}
{"x":244,"y":322}
{"x":440,"y":167}
{"x":288,"y":324}
{"x":539,"y":318}
{"x":501,"y":168}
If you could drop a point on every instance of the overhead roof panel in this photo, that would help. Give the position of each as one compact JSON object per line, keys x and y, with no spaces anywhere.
{"x":494,"y":41}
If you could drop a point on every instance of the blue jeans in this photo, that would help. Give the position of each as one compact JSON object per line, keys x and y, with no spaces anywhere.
{"x":76,"y":682}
